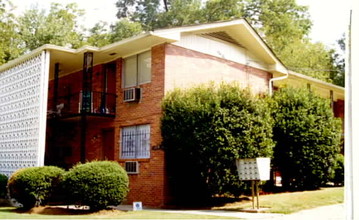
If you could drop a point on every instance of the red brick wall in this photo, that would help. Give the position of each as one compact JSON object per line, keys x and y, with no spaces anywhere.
{"x":171,"y":66}
{"x":147,"y":186}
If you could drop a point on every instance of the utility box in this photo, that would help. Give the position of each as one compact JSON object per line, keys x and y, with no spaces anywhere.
{"x":253,"y":168}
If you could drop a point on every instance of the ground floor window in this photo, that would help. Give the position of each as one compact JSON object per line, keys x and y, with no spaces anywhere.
{"x":135,"y":142}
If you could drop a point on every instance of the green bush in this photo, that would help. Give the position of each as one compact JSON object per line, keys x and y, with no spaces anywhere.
{"x":204,"y":130}
{"x":98,"y":184}
{"x":3,"y":183}
{"x":338,"y":178}
{"x":33,"y":186}
{"x":307,"y":137}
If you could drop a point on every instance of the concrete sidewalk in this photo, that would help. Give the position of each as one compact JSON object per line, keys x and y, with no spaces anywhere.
{"x":332,"y":212}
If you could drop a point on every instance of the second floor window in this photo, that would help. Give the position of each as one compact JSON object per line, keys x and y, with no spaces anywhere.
{"x":137,"y":69}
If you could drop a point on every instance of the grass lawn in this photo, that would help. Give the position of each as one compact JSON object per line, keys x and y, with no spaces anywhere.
{"x":57,"y":213}
{"x":277,"y":203}
{"x":292,"y":202}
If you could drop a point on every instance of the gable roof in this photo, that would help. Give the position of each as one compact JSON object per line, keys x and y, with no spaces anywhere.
{"x":237,"y":30}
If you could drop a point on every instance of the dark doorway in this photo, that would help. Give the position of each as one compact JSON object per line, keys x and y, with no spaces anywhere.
{"x":108,"y":144}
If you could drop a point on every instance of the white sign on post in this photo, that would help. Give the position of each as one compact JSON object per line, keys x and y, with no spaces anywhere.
{"x":137,"y":206}
{"x":254,"y":168}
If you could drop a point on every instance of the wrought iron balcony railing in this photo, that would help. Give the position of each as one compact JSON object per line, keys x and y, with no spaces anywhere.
{"x":88,"y":102}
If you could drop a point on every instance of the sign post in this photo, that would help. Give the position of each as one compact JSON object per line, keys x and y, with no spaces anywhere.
{"x":254,"y":170}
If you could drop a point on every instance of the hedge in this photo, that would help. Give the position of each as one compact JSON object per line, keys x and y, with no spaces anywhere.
{"x":204,"y":130}
{"x":308,"y":138}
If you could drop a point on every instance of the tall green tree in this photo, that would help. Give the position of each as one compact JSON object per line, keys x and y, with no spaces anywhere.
{"x":124,"y":29}
{"x":10,"y":47}
{"x":204,"y":130}
{"x":312,"y":59}
{"x":59,"y":26}
{"x":143,"y":11}
{"x":283,"y":24}
{"x":307,"y":137}
{"x":338,"y":75}
{"x":99,"y":35}
{"x":102,"y":34}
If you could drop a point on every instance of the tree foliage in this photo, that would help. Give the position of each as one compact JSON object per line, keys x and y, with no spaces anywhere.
{"x":9,"y":40}
{"x":58,"y":27}
{"x":312,"y":59}
{"x":283,"y":24}
{"x":338,"y":76}
{"x":101,"y":34}
{"x":307,"y":138}
{"x":205,"y":129}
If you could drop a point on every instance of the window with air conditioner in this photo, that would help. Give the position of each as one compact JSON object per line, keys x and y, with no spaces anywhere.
{"x":135,"y":142}
{"x":132,"y":167}
{"x":137,"y":69}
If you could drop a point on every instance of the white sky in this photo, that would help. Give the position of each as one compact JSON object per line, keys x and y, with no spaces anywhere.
{"x":330,"y":17}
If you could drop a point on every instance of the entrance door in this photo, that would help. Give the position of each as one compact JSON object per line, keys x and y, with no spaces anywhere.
{"x":108,"y":144}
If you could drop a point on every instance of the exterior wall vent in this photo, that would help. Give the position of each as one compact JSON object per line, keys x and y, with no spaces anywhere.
{"x":221,"y":35}
{"x":132,"y":167}
{"x":132,"y":95}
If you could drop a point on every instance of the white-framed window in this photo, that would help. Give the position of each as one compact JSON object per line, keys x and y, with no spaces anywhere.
{"x":135,"y":142}
{"x":137,"y":69}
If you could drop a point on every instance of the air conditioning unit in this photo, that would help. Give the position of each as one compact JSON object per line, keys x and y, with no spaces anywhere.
{"x":132,"y":167}
{"x":132,"y":95}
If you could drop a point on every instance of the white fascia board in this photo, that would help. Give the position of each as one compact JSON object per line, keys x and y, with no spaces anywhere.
{"x":317,"y":81}
{"x":200,"y":27}
{"x":49,"y":48}
{"x":125,"y":41}
{"x":277,"y":66}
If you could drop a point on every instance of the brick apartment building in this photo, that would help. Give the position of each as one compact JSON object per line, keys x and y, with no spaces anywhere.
{"x":60,"y":106}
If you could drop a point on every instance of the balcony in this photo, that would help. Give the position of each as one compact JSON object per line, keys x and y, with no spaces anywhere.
{"x":89,"y":103}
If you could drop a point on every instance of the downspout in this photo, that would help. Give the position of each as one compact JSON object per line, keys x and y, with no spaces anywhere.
{"x":276,"y":79}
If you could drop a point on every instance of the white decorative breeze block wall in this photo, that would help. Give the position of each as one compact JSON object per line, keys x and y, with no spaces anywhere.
{"x":23,"y":104}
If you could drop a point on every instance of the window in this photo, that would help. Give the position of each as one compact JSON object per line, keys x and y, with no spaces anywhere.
{"x":137,"y":69}
{"x":135,"y":142}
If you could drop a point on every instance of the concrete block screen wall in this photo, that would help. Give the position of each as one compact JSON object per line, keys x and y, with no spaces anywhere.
{"x":23,"y":104}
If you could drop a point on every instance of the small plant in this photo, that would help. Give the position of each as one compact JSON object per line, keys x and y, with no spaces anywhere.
{"x":33,"y":186}
{"x":97,"y":184}
{"x":3,"y":183}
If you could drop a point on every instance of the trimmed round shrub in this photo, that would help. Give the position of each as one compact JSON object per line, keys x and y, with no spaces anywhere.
{"x":33,"y":186}
{"x":3,"y":183}
{"x":97,"y":184}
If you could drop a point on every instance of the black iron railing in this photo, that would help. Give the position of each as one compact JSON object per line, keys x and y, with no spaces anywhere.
{"x":89,"y":102}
